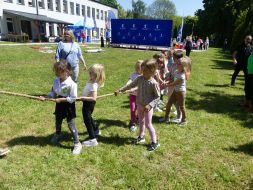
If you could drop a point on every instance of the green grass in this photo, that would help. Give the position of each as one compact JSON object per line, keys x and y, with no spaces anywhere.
{"x":214,"y":151}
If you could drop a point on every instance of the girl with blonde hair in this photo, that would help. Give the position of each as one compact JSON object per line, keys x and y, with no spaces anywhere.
{"x":89,"y":96}
{"x":148,"y":94}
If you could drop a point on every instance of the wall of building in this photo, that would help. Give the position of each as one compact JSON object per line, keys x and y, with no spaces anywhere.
{"x":53,"y":13}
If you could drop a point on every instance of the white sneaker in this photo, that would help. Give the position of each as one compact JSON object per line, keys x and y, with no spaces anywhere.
{"x":132,"y":128}
{"x":92,"y":142}
{"x":176,"y":120}
{"x":77,"y":148}
{"x":4,"y":151}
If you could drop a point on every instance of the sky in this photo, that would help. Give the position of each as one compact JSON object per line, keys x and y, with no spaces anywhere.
{"x":183,"y":7}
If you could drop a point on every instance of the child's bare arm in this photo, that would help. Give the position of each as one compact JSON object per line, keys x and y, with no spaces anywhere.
{"x":92,"y":96}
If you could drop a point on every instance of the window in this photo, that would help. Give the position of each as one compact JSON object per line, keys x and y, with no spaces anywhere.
{"x":93,"y":13}
{"x":57,"y":5}
{"x":51,"y":29}
{"x":105,"y":15}
{"x":10,"y":25}
{"x":77,"y":9}
{"x":8,"y":1}
{"x":21,"y":2}
{"x":97,"y":15}
{"x":72,"y":11}
{"x":102,"y":15}
{"x":31,"y":3}
{"x":41,"y":4}
{"x":65,"y":6}
{"x":83,"y":10}
{"x":50,"y":5}
{"x":88,"y":12}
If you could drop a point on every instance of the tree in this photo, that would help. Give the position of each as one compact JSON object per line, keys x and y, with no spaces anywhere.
{"x":244,"y":25}
{"x":121,"y":12}
{"x":138,"y":9}
{"x":112,"y":3}
{"x":129,"y":14}
{"x":222,"y":18}
{"x":161,"y":9}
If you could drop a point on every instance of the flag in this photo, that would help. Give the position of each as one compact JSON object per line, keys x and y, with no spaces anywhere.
{"x":180,"y":31}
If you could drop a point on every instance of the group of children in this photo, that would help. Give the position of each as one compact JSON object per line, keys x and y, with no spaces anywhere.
{"x":166,"y":73}
{"x":64,"y":93}
{"x":167,"y":70}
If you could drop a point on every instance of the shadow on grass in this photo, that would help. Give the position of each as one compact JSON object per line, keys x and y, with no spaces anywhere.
{"x":245,"y":148}
{"x":217,"y":85}
{"x":39,"y":141}
{"x":220,"y":103}
{"x":117,"y":140}
{"x":110,"y":122}
{"x":221,"y":65}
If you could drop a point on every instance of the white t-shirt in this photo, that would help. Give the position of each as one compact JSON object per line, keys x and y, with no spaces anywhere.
{"x":181,"y":87}
{"x":67,"y":88}
{"x":90,"y":87}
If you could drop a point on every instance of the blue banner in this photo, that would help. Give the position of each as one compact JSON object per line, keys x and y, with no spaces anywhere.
{"x":142,"y":32}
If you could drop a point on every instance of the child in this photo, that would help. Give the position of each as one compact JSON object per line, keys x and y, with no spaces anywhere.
{"x":176,"y":57}
{"x":147,"y":96}
{"x":65,"y":91}
{"x":179,"y":85}
{"x":159,"y":77}
{"x":133,"y":94}
{"x":89,"y":96}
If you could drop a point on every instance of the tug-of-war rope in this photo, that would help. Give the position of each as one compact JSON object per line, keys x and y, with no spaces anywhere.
{"x":52,"y":99}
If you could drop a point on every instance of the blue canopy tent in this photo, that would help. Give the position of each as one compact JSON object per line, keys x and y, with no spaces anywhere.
{"x":79,"y":25}
{"x":82,"y":24}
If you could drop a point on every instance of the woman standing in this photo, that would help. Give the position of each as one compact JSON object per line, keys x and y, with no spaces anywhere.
{"x":70,"y":51}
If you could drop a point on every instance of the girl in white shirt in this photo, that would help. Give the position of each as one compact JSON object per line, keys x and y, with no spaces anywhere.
{"x":64,"y":91}
{"x":89,"y":96}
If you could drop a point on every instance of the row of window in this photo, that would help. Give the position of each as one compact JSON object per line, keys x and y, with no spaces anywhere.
{"x":71,"y":7}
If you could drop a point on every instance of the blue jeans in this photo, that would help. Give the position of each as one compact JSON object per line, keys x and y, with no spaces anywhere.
{"x":75,"y":73}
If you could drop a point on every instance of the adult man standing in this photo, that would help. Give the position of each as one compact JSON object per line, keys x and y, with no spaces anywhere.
{"x":240,"y":58}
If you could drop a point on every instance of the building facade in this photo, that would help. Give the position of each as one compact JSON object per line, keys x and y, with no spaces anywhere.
{"x":39,"y":19}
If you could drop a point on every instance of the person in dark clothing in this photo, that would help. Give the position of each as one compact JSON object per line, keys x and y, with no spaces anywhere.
{"x":188,"y":45}
{"x":102,"y":39}
{"x":240,"y":58}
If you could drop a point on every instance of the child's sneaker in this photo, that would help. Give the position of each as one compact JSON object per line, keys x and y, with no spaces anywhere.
{"x":4,"y":151}
{"x":176,"y":120}
{"x":163,"y":119}
{"x":77,"y":148}
{"x":92,"y":142}
{"x":132,"y":128}
{"x":139,"y":140}
{"x":153,"y":146}
{"x":56,"y":138}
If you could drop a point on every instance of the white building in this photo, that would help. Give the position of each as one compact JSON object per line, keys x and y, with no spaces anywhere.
{"x":45,"y":18}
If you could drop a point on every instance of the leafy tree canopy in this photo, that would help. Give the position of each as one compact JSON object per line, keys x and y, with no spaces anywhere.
{"x":161,"y":9}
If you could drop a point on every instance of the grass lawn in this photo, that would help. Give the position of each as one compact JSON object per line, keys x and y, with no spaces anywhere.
{"x":214,"y":150}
